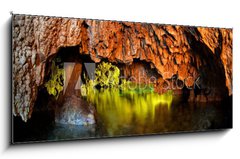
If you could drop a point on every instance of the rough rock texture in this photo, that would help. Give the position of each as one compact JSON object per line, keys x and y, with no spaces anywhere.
{"x":75,"y":111}
{"x":182,"y":51}
{"x":139,"y":72}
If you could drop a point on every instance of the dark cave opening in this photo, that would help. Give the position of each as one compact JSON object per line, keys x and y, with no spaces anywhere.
{"x":212,"y":79}
{"x":65,"y":57}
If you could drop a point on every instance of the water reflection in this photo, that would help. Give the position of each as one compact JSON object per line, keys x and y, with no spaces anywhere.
{"x":66,"y":132}
{"x":124,"y":113}
{"x":127,"y":113}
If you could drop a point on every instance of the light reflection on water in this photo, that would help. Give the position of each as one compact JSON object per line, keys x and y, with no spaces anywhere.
{"x":124,"y":114}
{"x":120,"y":113}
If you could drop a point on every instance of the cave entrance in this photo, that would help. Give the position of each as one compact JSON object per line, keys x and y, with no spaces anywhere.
{"x":65,"y":72}
{"x":75,"y":69}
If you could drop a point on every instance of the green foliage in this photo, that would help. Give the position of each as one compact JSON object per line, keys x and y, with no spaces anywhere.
{"x":55,"y":83}
{"x":124,"y":84}
{"x":136,"y":88}
{"x":87,"y":88}
{"x":142,"y":89}
{"x":107,"y":75}
{"x":83,"y":90}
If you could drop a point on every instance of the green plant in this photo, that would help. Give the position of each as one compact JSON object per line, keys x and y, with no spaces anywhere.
{"x":124,"y":84}
{"x":107,"y":75}
{"x":142,"y":89}
{"x":88,"y":88}
{"x":55,"y":83}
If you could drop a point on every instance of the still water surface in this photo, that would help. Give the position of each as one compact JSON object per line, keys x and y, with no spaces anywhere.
{"x":124,"y":113}
{"x":132,"y":113}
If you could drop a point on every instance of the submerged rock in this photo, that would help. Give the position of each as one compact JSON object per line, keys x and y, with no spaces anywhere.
{"x":75,"y":111}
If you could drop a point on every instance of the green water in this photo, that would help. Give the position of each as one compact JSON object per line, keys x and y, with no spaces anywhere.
{"x":138,"y":112}
{"x":117,"y":110}
{"x":125,"y":113}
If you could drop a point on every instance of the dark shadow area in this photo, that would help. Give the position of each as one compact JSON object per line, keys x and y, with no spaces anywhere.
{"x":42,"y":120}
{"x":35,"y":129}
{"x":213,"y":134}
{"x":211,"y":71}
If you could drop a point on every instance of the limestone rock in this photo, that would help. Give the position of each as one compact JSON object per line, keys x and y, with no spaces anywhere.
{"x":75,"y":111}
{"x":171,"y":50}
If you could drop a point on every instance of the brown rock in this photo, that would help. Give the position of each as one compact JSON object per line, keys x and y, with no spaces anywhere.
{"x":75,"y":111}
{"x":193,"y":48}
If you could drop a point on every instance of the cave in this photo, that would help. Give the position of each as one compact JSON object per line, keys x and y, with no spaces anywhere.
{"x":88,"y":79}
{"x":71,"y":107}
{"x":68,"y":105}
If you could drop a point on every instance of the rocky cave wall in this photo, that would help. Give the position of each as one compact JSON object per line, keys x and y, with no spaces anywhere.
{"x":171,"y":50}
